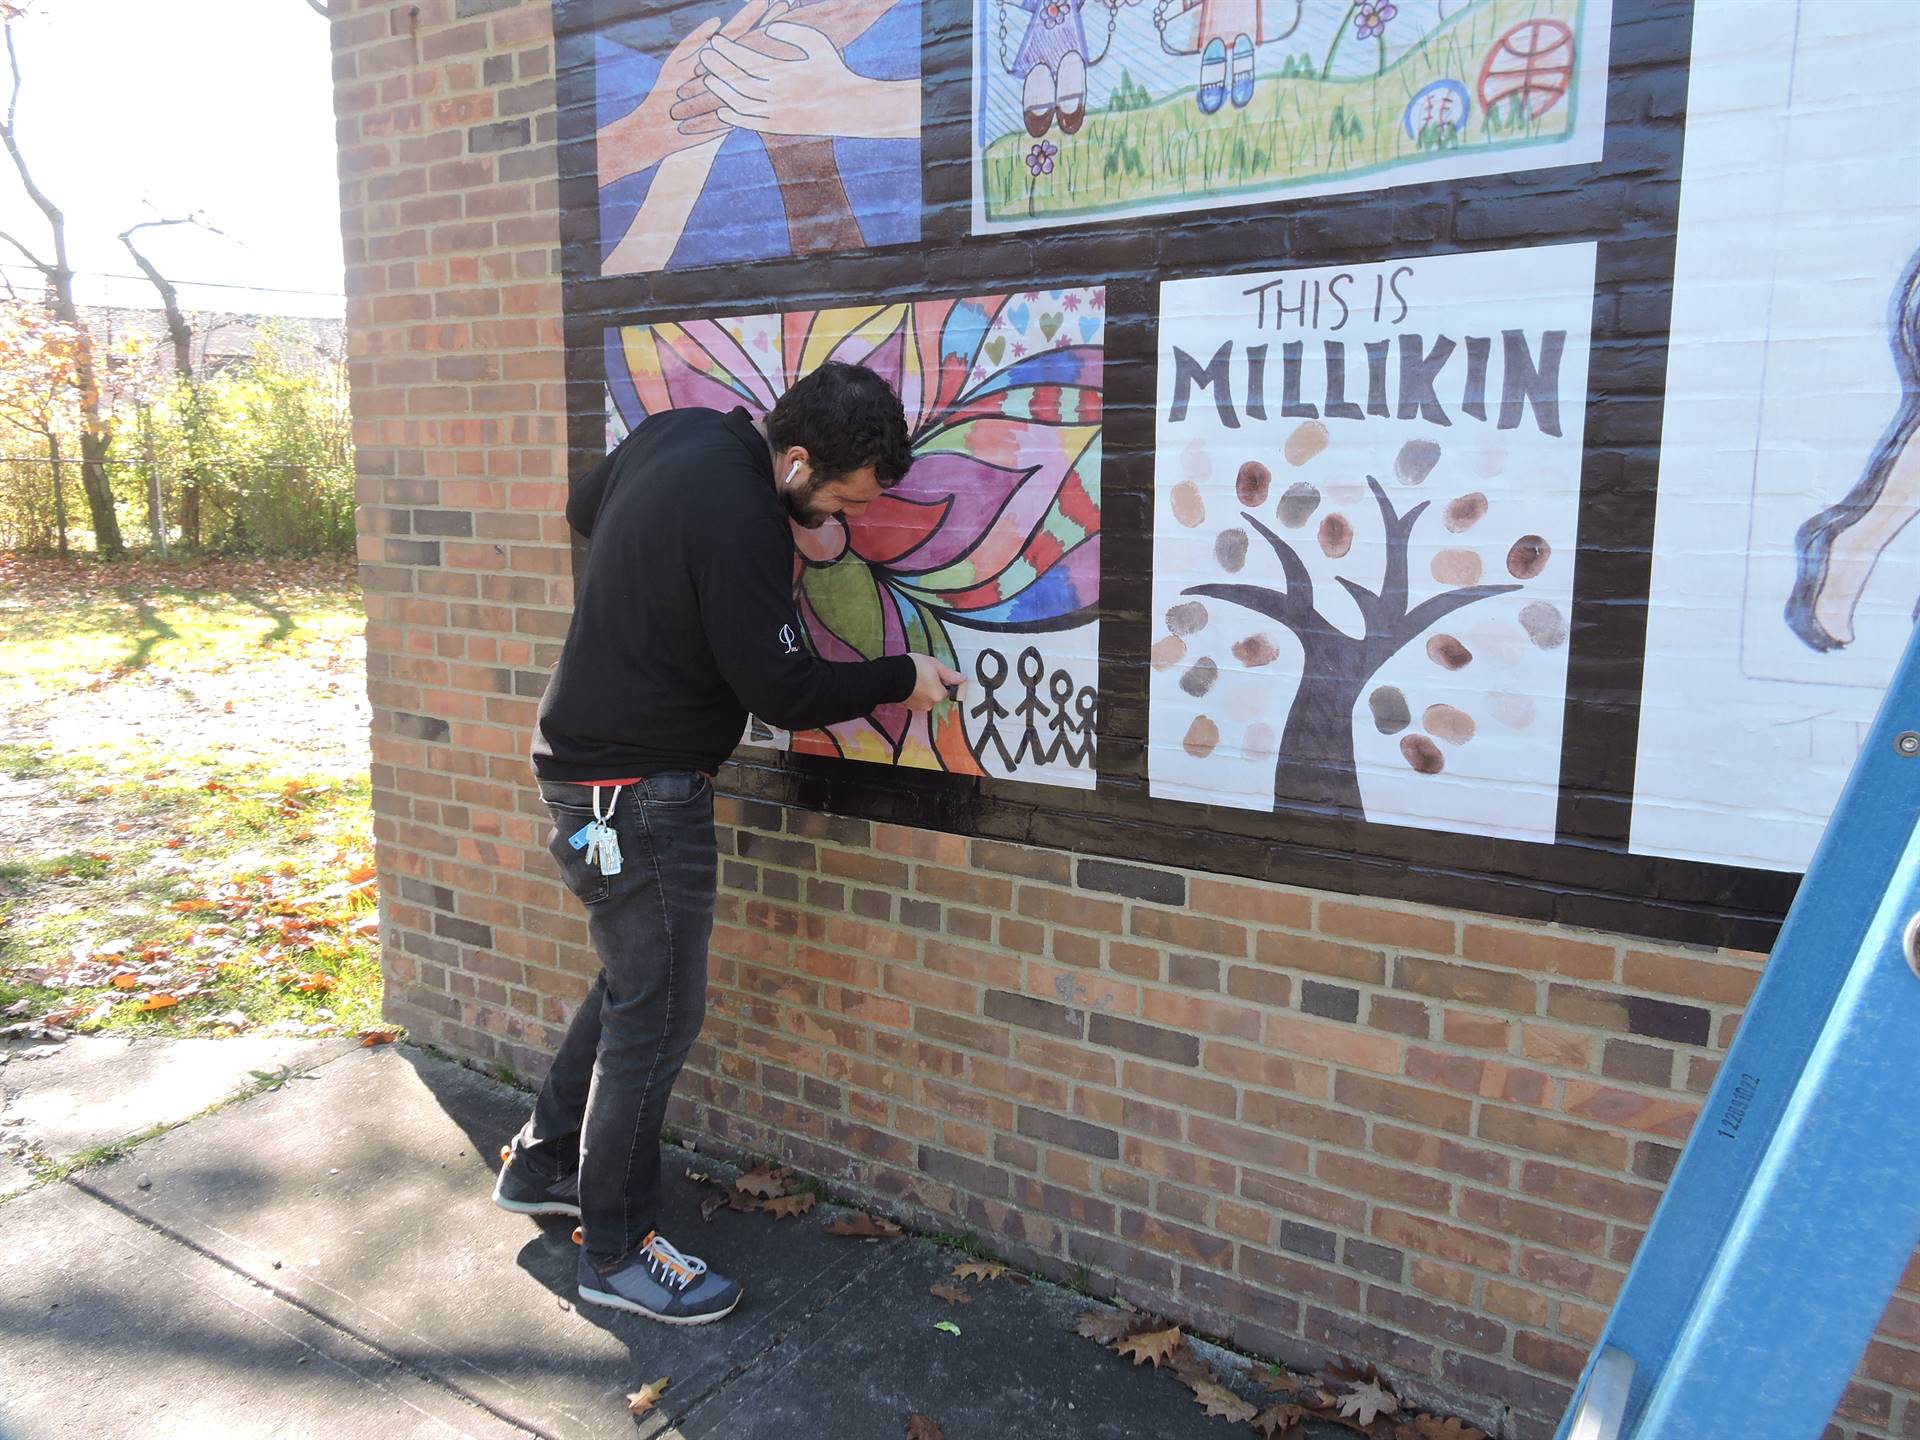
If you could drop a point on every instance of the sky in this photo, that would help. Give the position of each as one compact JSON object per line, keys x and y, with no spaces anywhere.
{"x":134,"y":109}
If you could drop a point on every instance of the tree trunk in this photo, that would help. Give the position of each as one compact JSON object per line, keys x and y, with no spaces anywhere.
{"x":1316,"y":766}
{"x":59,"y":493}
{"x":93,"y":479}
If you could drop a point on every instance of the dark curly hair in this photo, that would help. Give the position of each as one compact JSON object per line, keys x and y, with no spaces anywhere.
{"x":847,"y":417}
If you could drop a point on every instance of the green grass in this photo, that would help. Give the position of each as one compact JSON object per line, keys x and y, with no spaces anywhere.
{"x":1298,"y":130}
{"x":219,"y":866}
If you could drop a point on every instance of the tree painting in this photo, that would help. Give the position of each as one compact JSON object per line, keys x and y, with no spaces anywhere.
{"x":1316,"y":765}
{"x":1367,"y":490}
{"x":987,"y":555}
{"x":733,"y":131}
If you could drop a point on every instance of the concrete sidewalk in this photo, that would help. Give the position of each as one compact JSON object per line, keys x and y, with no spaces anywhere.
{"x":324,"y":1259}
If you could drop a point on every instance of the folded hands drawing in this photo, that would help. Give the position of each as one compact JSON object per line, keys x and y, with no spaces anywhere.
{"x":782,"y":78}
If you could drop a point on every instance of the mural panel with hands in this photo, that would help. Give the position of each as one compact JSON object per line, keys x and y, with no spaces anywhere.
{"x":736,"y":132}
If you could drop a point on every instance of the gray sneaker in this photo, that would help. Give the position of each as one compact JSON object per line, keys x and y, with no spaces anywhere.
{"x":520,"y":1190}
{"x":659,"y":1282}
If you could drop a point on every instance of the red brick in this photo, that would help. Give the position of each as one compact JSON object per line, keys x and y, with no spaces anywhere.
{"x":1654,"y":1114}
{"x":1340,"y":1044}
{"x":1717,"y":982}
{"x":1251,"y":904}
{"x":1546,"y":1135}
{"x":1546,"y":1225}
{"x":1189,"y":932}
{"x":1182,"y":1088}
{"x":1474,"y":1075}
{"x":1205,"y":1017}
{"x":1323,"y":957}
{"x":1261,"y":1067}
{"x":1382,"y":926}
{"x":1439,"y":1239}
{"x":1545,"y":951}
{"x":1429,"y":1108}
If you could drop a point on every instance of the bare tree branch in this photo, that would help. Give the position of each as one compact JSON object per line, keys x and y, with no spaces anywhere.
{"x":319,"y":8}
{"x":33,"y":259}
{"x":9,"y":136}
{"x":177,"y":328}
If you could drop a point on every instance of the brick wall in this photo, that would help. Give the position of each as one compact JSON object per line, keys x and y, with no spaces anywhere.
{"x":1304,"y":1122}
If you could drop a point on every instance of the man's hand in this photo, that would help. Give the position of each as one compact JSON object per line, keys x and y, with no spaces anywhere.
{"x":931,"y":682}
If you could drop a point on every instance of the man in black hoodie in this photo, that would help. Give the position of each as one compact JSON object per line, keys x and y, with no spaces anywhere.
{"x":683,"y":623}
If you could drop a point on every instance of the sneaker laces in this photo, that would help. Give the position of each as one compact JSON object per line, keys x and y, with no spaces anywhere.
{"x":670,"y":1266}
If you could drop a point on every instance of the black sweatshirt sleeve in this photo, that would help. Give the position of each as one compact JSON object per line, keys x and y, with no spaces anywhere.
{"x":753,"y":628}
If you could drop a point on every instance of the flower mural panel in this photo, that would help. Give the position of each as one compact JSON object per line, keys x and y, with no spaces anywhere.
{"x":986,"y":556}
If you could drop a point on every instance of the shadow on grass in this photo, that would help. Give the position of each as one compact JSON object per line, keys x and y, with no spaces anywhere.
{"x":151,"y":632}
{"x":283,"y":622}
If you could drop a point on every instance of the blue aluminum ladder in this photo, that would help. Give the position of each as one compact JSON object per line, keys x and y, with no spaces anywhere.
{"x":1796,"y":1204}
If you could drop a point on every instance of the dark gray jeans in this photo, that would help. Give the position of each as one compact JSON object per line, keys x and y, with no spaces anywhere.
{"x":606,"y":1096}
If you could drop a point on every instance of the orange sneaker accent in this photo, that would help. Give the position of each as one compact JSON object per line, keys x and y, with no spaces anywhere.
{"x":578,"y":1238}
{"x":506,"y":1153}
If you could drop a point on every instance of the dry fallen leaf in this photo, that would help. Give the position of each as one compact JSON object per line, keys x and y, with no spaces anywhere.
{"x":1278,"y":1377}
{"x":1192,"y":1370}
{"x":124,"y":982}
{"x":952,"y":1294}
{"x":864,"y":1224}
{"x":187,"y":906}
{"x":1107,"y":1326}
{"x":979,"y":1270}
{"x":714,"y":1203}
{"x":370,"y":1038}
{"x":642,"y":1400}
{"x":784,"y":1207}
{"x":159,"y":1000}
{"x":1433,"y":1427}
{"x":1154,"y":1345}
{"x":361,"y":873}
{"x":1281,"y":1422}
{"x":1367,"y":1401}
{"x":764,"y":1181}
{"x":923,"y":1427}
{"x":1218,"y":1400}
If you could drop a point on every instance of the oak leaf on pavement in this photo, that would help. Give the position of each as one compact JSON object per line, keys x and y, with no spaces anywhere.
{"x":1107,"y":1326}
{"x":1218,"y":1400}
{"x":642,"y":1400}
{"x":1281,"y":1422}
{"x":1152,"y":1345}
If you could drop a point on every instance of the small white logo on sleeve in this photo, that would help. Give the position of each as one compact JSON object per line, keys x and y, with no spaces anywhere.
{"x":786,"y":639}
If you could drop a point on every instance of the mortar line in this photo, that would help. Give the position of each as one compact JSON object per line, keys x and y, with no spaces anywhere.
{"x":419,"y":1371}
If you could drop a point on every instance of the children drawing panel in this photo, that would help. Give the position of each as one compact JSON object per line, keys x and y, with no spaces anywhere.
{"x":1786,"y":569}
{"x":986,"y":556}
{"x":730,"y":132}
{"x":1094,"y":109}
{"x":1366,"y":496}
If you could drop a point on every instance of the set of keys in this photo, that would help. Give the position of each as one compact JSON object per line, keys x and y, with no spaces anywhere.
{"x":596,"y":837}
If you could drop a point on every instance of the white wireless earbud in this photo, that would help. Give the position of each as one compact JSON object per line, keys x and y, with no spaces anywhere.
{"x":790,"y":474}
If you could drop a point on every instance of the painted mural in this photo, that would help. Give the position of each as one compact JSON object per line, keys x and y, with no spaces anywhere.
{"x":986,"y":556}
{"x":730,"y":132}
{"x":1092,"y":109}
{"x":1785,"y":570}
{"x":1366,"y":497}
